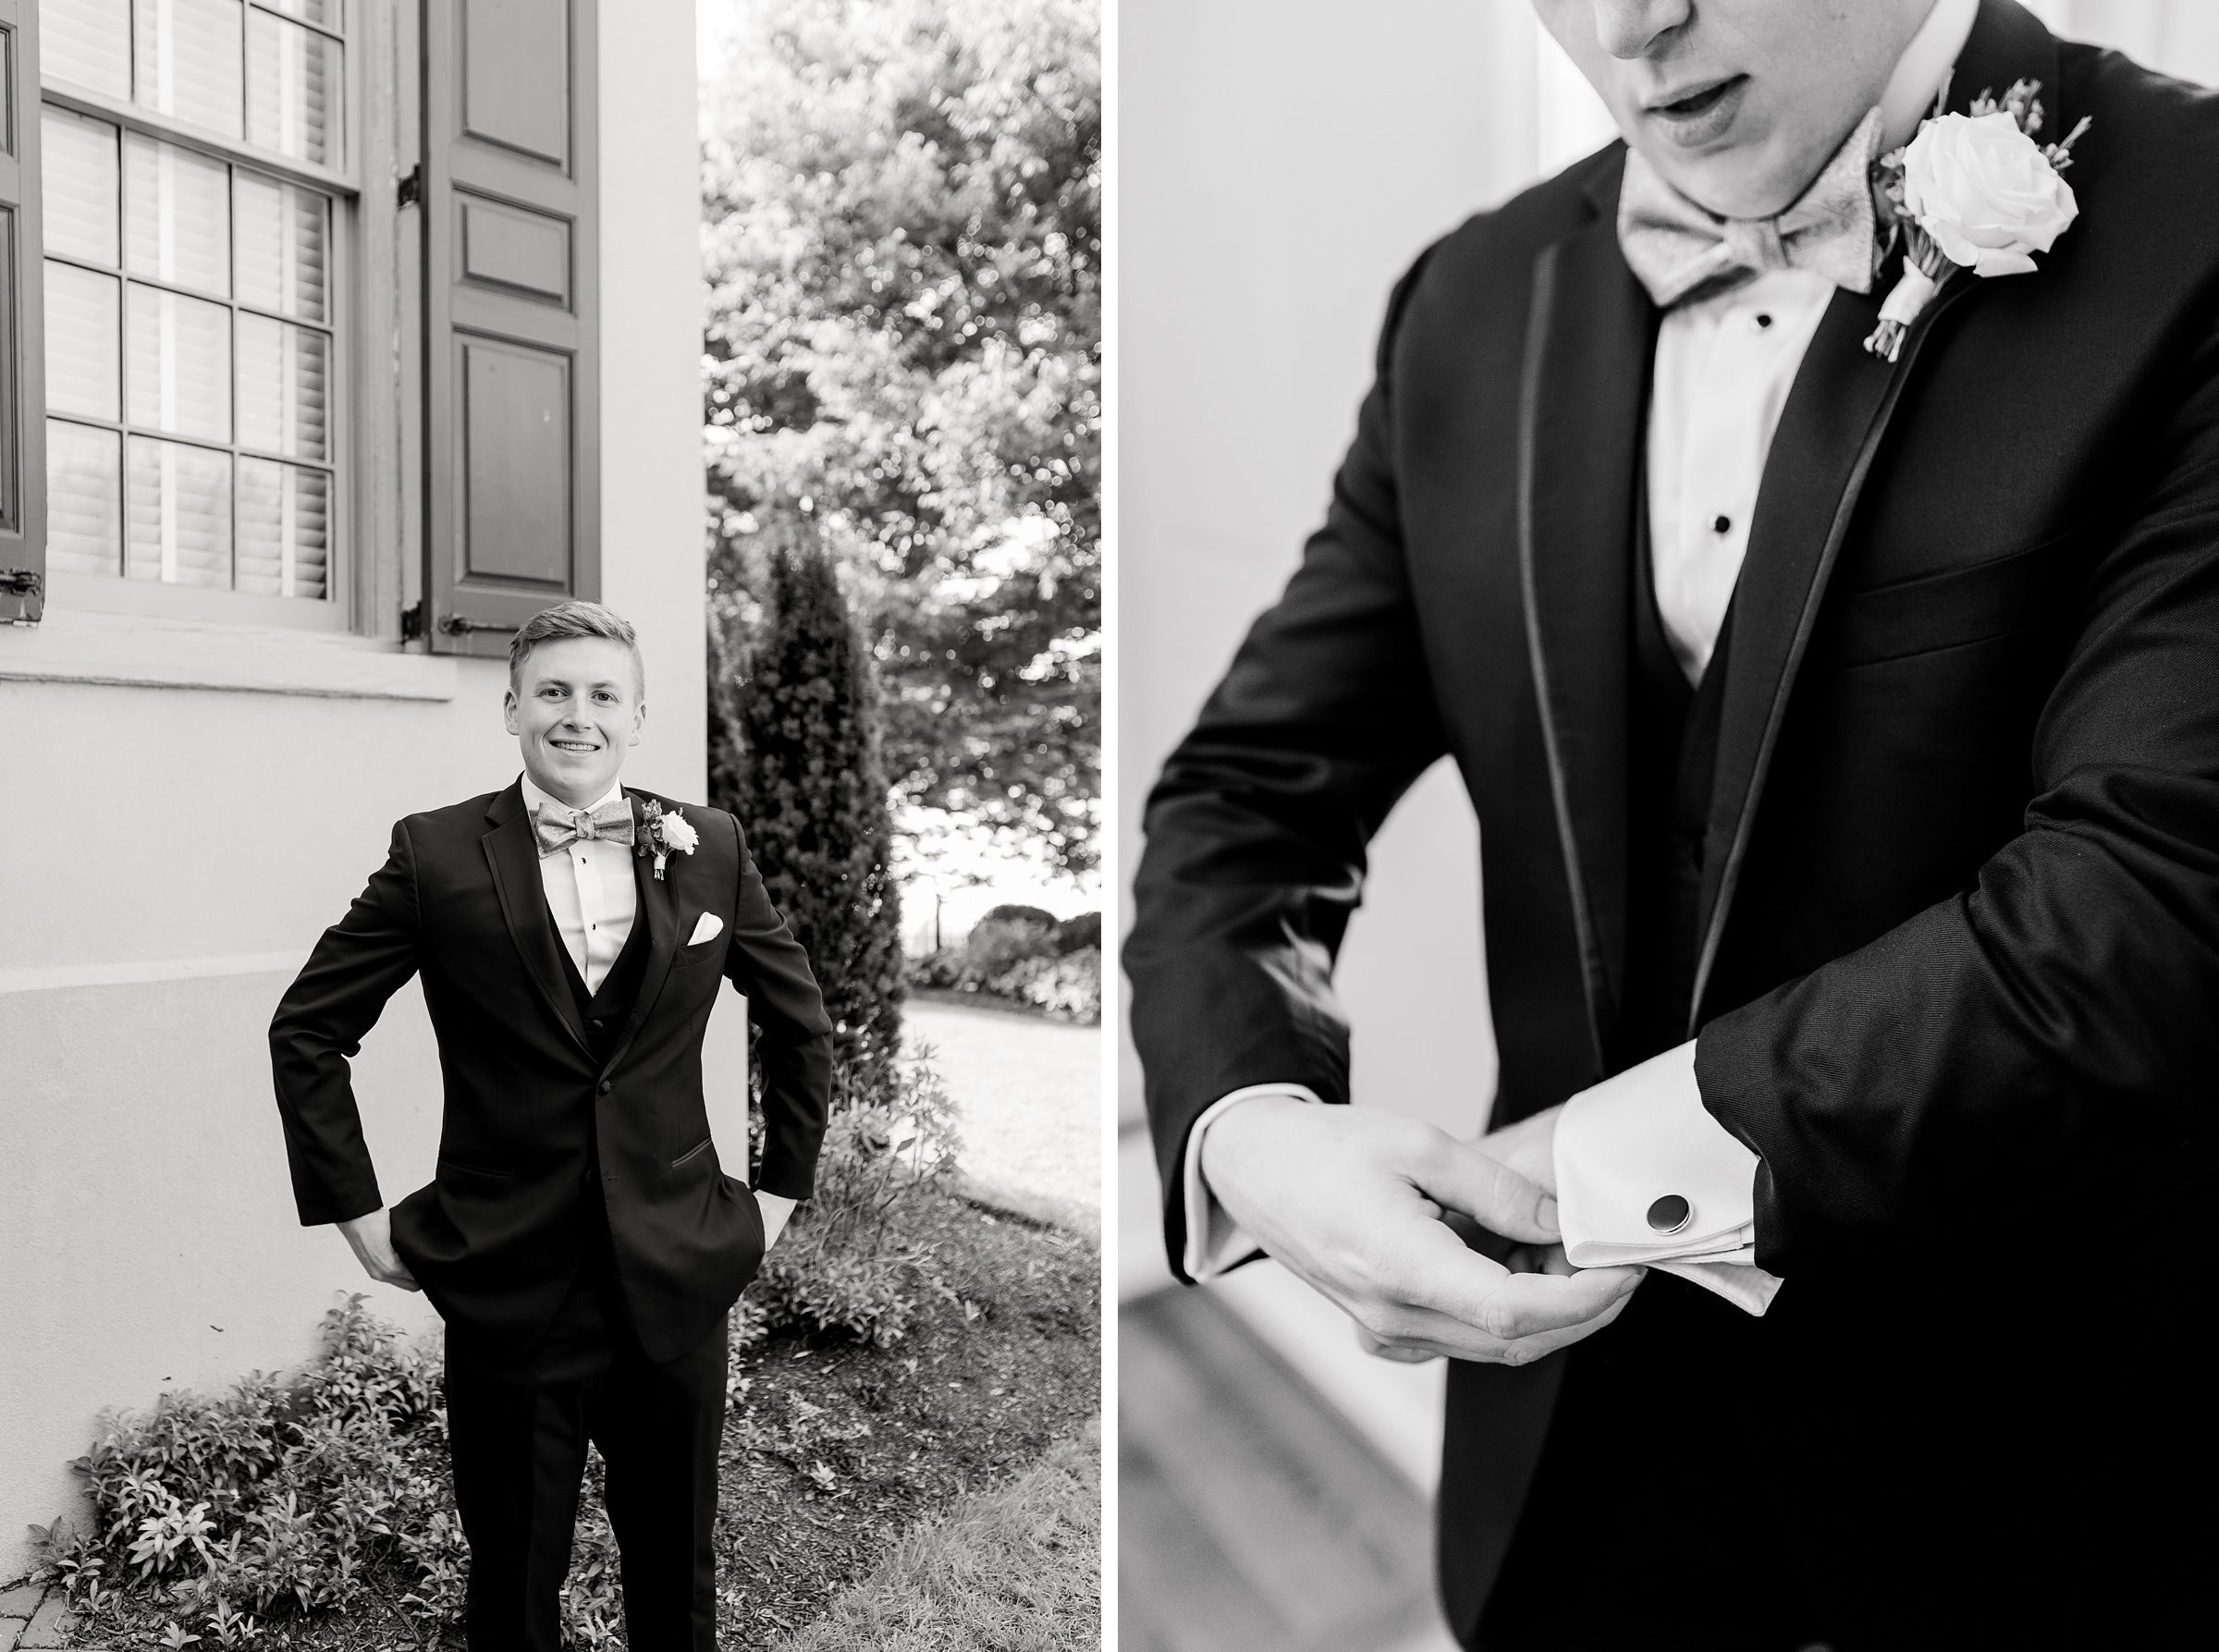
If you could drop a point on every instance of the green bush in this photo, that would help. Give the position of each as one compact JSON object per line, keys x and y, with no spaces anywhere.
{"x":841,"y":1266}
{"x":1078,"y":931}
{"x":799,"y":764}
{"x":1068,"y":988}
{"x":277,"y":1498}
{"x":1005,"y":936}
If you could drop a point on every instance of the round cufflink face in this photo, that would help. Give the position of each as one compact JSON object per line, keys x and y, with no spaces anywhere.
{"x":1670,"y":1214}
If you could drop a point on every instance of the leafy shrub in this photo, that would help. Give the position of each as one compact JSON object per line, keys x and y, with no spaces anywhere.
{"x":1068,"y":988}
{"x":943,"y":968}
{"x":289,"y":1499}
{"x":1078,"y":931}
{"x":799,"y":764}
{"x":1006,"y":935}
{"x":1041,"y":968}
{"x":841,"y":1266}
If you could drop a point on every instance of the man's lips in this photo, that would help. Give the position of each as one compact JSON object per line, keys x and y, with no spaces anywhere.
{"x":582,"y":747}
{"x":1698,"y":115}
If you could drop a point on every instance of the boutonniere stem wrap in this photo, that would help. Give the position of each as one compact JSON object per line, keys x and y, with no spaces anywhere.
{"x":665,"y":833}
{"x":1971,"y":191}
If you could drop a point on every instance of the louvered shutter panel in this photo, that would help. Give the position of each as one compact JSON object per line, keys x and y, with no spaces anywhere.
{"x":22,"y":326}
{"x":511,"y":397}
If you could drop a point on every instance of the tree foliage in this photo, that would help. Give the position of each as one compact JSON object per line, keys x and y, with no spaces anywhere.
{"x":903,"y":239}
{"x":799,"y":766}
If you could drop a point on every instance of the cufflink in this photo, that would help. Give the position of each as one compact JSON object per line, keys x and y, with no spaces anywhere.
{"x":1670,"y":1214}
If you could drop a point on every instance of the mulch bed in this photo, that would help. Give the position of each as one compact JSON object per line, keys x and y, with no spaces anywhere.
{"x":833,"y":1450}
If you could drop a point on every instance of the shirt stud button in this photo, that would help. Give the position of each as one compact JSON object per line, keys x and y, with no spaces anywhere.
{"x":1763,"y":322}
{"x":1668,"y":1215}
{"x":1721,"y":524}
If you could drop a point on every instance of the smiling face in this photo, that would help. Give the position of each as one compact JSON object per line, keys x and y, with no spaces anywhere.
{"x":1739,"y":104}
{"x":575,"y":708}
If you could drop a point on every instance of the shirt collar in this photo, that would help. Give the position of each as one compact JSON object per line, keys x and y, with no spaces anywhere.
{"x":535,"y":797}
{"x":1921,"y":69}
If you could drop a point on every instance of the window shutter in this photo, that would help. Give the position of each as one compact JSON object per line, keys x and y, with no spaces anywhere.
{"x":22,"y":327}
{"x":511,"y":422}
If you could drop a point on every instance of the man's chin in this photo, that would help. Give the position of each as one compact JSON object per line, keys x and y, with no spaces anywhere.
{"x":1746,"y":181}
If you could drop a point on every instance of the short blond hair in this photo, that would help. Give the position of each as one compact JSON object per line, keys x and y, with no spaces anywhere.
{"x":569,"y":619}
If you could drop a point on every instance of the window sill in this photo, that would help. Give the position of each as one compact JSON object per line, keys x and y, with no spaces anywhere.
{"x":137,"y":651}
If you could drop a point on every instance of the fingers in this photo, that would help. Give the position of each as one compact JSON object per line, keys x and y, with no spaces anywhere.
{"x":1508,"y":1306}
{"x":1424,"y":1335}
{"x":1489,"y":1192}
{"x":1401,"y":1353}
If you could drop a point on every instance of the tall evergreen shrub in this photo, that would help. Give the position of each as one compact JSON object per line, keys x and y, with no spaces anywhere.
{"x":807,"y":783}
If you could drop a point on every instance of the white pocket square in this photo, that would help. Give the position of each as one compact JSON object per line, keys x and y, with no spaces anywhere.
{"x":707,"y":929}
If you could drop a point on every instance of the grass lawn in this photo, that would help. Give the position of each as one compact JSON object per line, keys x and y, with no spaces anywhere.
{"x":1016,"y":1568}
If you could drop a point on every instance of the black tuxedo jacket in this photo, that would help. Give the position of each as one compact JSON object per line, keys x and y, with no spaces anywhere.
{"x":531,"y":1115}
{"x":1958,"y":978}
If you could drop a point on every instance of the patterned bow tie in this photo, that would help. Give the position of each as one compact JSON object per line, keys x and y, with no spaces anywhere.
{"x":1675,"y":246}
{"x":558,"y":828}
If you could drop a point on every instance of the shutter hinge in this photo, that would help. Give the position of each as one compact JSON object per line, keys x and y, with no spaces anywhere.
{"x":452,"y":625}
{"x":408,"y":190}
{"x":28,"y":586}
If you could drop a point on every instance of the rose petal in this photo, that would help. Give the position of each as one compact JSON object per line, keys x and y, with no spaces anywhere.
{"x":2003,"y":264}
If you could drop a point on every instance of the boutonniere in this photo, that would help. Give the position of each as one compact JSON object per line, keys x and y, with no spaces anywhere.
{"x":664,"y":835}
{"x":1972,"y":193}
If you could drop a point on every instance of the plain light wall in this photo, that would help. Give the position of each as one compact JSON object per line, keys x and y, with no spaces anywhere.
{"x":1278,"y":165}
{"x":654,"y":488}
{"x":175,"y":851}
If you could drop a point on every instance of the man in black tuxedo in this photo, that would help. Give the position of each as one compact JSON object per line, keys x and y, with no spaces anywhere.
{"x":581,"y":1239}
{"x":1844,"y":732}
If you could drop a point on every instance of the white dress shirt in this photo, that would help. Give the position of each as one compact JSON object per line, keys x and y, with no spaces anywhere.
{"x":591,"y":894}
{"x":1722,"y":370}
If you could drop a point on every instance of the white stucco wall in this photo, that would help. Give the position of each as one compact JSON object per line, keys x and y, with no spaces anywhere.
{"x":171,"y":854}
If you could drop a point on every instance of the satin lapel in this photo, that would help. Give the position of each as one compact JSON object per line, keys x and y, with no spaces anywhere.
{"x":513,"y":853}
{"x":1589,"y":339}
{"x":1832,"y":425}
{"x":658,"y":905}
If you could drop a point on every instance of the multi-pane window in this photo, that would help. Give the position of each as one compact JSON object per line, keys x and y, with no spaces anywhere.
{"x":190,"y":303}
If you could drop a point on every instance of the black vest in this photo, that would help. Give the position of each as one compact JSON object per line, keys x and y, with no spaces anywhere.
{"x":1673,"y":750}
{"x":604,"y":1014}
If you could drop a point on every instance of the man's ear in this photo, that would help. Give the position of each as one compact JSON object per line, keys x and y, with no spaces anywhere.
{"x":509,"y":711}
{"x":639,"y":724}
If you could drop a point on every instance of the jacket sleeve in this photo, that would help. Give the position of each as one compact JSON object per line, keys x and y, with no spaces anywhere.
{"x":2059,"y":1020}
{"x":360,"y":963}
{"x":768,"y":964}
{"x":1258,"y":826}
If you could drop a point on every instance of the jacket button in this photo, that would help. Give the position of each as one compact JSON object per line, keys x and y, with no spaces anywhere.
{"x":592,"y":1026}
{"x":605,"y":1092}
{"x":1668,"y":1215}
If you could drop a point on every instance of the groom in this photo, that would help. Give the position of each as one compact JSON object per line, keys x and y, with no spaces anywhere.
{"x":1843,"y":731}
{"x":581,"y":1238}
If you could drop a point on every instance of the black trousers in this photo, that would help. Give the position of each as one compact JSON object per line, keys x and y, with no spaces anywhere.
{"x":517,"y":1432}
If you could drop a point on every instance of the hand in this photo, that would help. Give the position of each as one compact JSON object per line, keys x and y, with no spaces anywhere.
{"x":775,"y":1212}
{"x":1528,"y":1147}
{"x":1375,"y":1244}
{"x":371,"y":1238}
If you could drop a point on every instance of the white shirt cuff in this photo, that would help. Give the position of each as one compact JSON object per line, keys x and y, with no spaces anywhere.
{"x":1644,"y":1175}
{"x":1215,"y":1243}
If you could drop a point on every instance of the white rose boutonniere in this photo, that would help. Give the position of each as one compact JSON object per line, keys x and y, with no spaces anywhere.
{"x":1973,"y":192}
{"x":666,"y":834}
